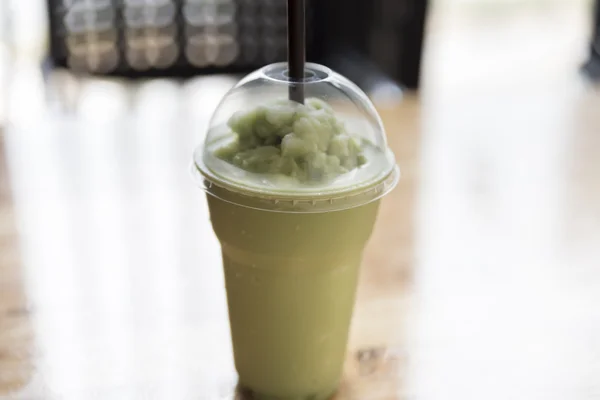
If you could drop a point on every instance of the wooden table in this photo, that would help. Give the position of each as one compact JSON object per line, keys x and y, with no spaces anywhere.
{"x":481,"y":281}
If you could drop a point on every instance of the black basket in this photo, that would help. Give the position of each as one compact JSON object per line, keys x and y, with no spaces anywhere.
{"x":141,"y":38}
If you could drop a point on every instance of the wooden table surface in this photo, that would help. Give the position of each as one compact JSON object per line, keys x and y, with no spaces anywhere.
{"x":481,"y":280}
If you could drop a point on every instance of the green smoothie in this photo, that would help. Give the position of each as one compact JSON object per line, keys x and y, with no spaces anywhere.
{"x":291,"y":279}
{"x":305,"y":142}
{"x":293,"y":194}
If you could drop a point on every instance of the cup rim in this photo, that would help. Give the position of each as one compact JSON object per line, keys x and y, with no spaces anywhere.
{"x":354,"y":196}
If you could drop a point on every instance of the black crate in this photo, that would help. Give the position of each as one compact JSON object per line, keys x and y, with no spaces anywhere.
{"x":140,"y":38}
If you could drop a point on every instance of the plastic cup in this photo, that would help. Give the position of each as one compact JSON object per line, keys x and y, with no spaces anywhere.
{"x":292,"y":254}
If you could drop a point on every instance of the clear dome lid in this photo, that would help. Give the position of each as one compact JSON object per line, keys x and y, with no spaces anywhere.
{"x":261,"y":144}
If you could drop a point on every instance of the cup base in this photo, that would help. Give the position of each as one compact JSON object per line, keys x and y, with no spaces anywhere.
{"x":254,"y":395}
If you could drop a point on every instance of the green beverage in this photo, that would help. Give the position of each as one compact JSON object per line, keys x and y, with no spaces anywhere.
{"x":293,"y":192}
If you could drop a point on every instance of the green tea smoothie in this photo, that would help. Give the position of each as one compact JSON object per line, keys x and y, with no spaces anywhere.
{"x":305,"y":142}
{"x":290,"y":281}
{"x":293,"y":192}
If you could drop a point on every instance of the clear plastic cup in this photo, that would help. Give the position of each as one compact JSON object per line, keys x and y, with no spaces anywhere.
{"x":292,"y":242}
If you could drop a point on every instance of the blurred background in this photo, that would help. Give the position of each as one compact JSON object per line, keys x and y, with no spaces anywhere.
{"x":482,"y":277}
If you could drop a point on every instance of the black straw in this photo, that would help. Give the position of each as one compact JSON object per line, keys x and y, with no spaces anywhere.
{"x":296,"y":47}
